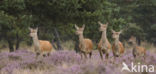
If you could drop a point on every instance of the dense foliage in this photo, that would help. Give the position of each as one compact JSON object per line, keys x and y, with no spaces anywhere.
{"x":135,"y":17}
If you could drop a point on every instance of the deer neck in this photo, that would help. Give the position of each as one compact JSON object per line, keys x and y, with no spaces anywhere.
{"x":36,"y":41}
{"x":81,"y":40}
{"x":104,"y":37}
{"x":117,"y":42}
{"x":134,"y":44}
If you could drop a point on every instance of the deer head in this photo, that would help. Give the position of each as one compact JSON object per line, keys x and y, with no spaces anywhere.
{"x":79,"y":31}
{"x":103,"y":27}
{"x":132,"y":39}
{"x":116,"y":34}
{"x":33,"y":32}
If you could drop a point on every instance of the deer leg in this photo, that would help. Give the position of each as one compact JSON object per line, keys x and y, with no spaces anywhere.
{"x":44,"y":55}
{"x":144,"y":56}
{"x":48,"y":54}
{"x":85,"y":55}
{"x":114,"y":56}
{"x":101,"y":54}
{"x":105,"y":52}
{"x":134,"y":53}
{"x":37,"y":55}
{"x":81,"y":55}
{"x":106,"y":55}
{"x":90,"y":55}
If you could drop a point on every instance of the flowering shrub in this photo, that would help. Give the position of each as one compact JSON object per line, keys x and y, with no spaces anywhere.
{"x":66,"y":62}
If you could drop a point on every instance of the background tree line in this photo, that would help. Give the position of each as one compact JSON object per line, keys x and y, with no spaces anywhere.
{"x":135,"y":17}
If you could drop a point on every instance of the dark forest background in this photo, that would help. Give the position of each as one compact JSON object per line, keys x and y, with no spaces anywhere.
{"x":57,"y":18}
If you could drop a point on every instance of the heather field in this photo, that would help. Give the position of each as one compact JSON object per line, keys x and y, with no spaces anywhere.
{"x":68,"y":62}
{"x":63,"y":28}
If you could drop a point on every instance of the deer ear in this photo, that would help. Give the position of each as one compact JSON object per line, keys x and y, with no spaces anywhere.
{"x":100,"y":23}
{"x":113,"y":31}
{"x":83,"y":26}
{"x":76,"y":27}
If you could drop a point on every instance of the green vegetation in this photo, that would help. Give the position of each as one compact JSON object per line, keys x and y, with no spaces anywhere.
{"x":135,"y":17}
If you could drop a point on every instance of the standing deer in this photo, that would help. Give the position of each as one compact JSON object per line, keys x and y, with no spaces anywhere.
{"x":117,"y":47}
{"x":40,"y":46}
{"x":85,"y":44}
{"x":104,"y":45}
{"x":137,"y":50}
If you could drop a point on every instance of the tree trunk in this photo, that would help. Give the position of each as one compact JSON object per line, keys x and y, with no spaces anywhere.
{"x":57,"y":38}
{"x":53,"y":44}
{"x":10,"y":43}
{"x":17,"y":42}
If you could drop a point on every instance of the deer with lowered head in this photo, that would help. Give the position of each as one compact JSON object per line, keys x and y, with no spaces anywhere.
{"x":117,"y":47}
{"x":40,"y":46}
{"x":137,"y":50}
{"x":104,"y":45}
{"x":85,"y":44}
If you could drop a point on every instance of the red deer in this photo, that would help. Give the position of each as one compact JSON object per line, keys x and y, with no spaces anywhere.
{"x":40,"y":46}
{"x":117,"y":47}
{"x":104,"y":45}
{"x":85,"y":44}
{"x":137,"y":50}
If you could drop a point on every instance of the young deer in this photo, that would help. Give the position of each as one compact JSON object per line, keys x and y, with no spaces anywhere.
{"x":117,"y":47}
{"x":137,"y":50}
{"x":104,"y":45}
{"x":85,"y":45}
{"x":41,"y":46}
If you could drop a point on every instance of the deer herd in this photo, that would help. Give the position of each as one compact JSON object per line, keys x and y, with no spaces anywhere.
{"x":86,"y":44}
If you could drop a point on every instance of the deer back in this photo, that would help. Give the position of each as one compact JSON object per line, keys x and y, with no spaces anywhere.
{"x":140,"y":50}
{"x":107,"y":45}
{"x":120,"y":49}
{"x":88,"y":45}
{"x":45,"y":46}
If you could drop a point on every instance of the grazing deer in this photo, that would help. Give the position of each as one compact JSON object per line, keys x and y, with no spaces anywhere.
{"x":137,"y":50}
{"x":41,"y":46}
{"x":85,"y":44}
{"x":117,"y":47}
{"x":104,"y":45}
